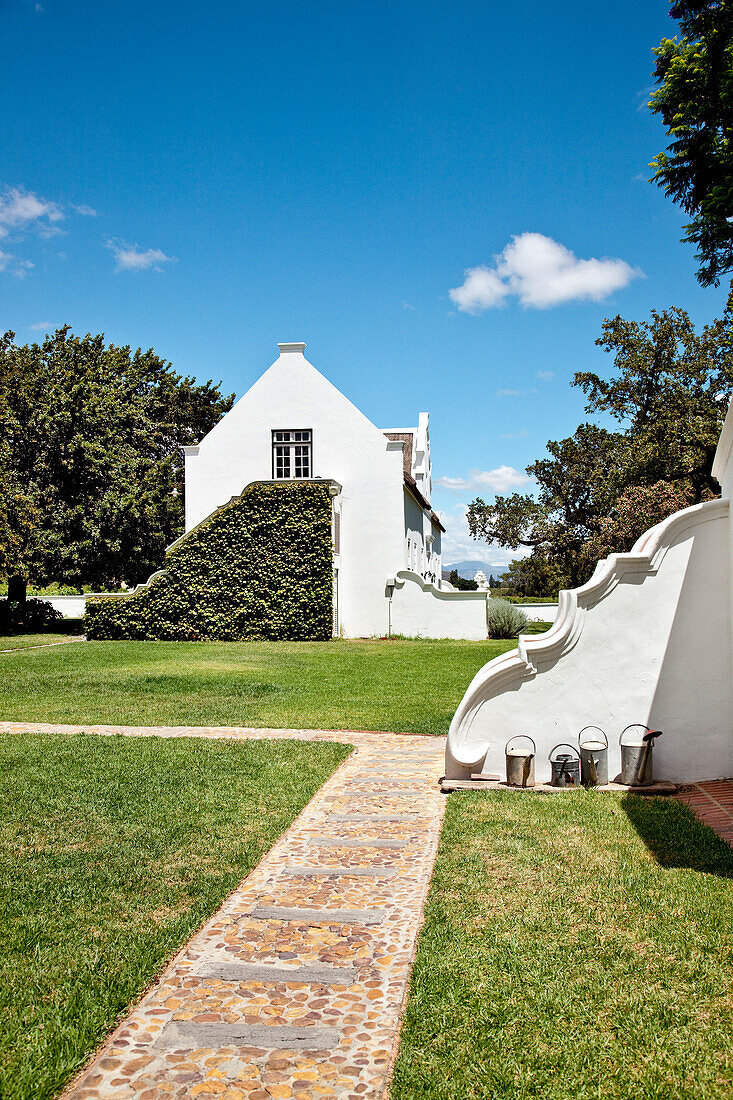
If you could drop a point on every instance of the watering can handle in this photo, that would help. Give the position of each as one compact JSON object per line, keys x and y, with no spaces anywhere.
{"x":633,"y":726}
{"x":526,"y":735}
{"x":580,"y":743}
{"x":564,"y":745}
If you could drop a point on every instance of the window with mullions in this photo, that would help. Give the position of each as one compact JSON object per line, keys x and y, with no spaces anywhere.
{"x":292,"y":454}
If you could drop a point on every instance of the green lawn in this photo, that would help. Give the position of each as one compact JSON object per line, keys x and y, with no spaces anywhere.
{"x":412,"y":686}
{"x":576,"y":947}
{"x":26,"y":641}
{"x":112,"y":852}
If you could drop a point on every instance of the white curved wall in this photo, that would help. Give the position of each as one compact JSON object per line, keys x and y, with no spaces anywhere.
{"x":648,"y":639}
{"x":420,"y":610}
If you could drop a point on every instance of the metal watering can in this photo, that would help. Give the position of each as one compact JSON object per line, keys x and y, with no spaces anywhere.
{"x":520,"y":763}
{"x":636,"y":755}
{"x":565,"y":768}
{"x":593,"y":757}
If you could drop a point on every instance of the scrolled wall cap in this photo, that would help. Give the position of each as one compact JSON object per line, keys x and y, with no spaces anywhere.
{"x":297,"y":348}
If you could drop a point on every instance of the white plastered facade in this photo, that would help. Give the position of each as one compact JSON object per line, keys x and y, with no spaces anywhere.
{"x":648,"y":639}
{"x":382,"y":511}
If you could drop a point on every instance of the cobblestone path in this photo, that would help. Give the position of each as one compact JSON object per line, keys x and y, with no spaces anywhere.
{"x":295,"y":987}
{"x":712,"y":801}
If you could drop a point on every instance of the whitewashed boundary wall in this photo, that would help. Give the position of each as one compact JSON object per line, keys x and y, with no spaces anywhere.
{"x":647,"y":639}
{"x":418,"y":609}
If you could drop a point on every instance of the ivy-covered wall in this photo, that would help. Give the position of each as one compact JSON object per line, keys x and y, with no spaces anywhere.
{"x":260,"y":567}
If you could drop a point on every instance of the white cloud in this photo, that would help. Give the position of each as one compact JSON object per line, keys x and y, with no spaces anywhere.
{"x":130,"y":257}
{"x":408,"y":305}
{"x":20,"y":209}
{"x":86,"y":211}
{"x":481,"y":289}
{"x":521,"y":434}
{"x":545,"y":375}
{"x":14,"y":266}
{"x":540,"y":273}
{"x":41,"y":326}
{"x":500,"y":480}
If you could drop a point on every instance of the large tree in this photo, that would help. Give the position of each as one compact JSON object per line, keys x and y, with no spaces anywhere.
{"x":91,"y":435}
{"x":668,"y":393}
{"x":695,"y":102}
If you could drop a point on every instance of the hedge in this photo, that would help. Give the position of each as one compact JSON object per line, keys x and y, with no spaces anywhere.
{"x":259,"y":567}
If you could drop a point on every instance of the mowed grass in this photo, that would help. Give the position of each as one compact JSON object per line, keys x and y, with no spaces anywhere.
{"x":112,"y":852}
{"x":25,"y":641}
{"x":411,"y":686}
{"x":575,"y":946}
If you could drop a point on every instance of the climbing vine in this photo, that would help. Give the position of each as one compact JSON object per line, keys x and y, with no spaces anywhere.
{"x":260,"y":567}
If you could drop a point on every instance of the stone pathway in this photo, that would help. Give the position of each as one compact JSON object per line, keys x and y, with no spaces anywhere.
{"x":712,"y":801}
{"x":294,"y":988}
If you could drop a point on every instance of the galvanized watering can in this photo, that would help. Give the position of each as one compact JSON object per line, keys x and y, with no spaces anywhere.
{"x":593,"y":757}
{"x":520,"y":763}
{"x":636,"y":755}
{"x":565,"y":768}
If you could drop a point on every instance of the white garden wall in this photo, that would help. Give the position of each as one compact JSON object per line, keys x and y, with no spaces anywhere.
{"x":418,"y":609}
{"x":647,"y":639}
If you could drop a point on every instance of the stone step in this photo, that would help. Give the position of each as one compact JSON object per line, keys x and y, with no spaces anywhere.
{"x":411,"y":816}
{"x":318,"y":916}
{"x":190,"y":1035}
{"x":353,"y":795}
{"x":333,"y":872}
{"x":320,"y":974}
{"x":355,"y":842}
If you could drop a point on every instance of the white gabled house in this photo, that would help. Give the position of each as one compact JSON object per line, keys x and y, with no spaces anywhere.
{"x":293,"y":423}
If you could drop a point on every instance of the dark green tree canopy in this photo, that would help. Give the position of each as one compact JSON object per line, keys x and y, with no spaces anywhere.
{"x":695,"y":102}
{"x":90,"y":459}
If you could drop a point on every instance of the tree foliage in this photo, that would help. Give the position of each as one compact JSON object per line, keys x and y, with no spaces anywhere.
{"x":90,"y":466}
{"x":463,"y":584}
{"x":695,"y":102}
{"x":668,"y":393}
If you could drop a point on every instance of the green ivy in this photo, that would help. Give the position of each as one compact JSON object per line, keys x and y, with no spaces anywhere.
{"x":260,"y":567}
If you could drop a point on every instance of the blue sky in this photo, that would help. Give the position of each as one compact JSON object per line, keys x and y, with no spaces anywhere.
{"x":211,"y":179}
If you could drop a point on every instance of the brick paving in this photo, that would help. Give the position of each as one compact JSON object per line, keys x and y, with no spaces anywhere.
{"x":712,"y":801}
{"x":294,"y":988}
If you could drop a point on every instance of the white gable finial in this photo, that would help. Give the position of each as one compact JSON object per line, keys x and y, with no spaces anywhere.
{"x":297,"y":348}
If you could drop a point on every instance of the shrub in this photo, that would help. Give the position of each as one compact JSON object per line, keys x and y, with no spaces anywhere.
{"x":260,"y":567}
{"x":31,"y":616}
{"x":504,"y":620}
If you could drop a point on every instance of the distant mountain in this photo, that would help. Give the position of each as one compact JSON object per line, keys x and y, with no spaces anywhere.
{"x":468,"y":569}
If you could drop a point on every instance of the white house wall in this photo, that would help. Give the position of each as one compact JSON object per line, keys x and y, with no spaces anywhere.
{"x":347,"y":447}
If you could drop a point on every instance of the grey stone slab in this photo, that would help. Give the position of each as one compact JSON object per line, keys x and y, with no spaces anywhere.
{"x":189,"y":1035}
{"x":318,"y":916}
{"x":411,"y":817}
{"x":386,"y":773}
{"x":355,"y":842}
{"x":333,"y":872}
{"x":353,"y":795}
{"x":319,"y":974}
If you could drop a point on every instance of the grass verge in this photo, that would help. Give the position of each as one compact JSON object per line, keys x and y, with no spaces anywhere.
{"x":113,"y":851}
{"x":575,"y":946}
{"x":27,"y":641}
{"x":382,"y":685}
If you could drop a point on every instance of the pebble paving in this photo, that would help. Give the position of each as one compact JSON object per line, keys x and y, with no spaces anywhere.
{"x":294,"y":988}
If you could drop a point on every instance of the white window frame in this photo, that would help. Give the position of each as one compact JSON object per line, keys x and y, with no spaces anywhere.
{"x":292,"y":450}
